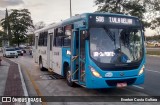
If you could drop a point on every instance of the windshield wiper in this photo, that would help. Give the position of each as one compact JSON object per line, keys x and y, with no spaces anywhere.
{"x":109,"y":33}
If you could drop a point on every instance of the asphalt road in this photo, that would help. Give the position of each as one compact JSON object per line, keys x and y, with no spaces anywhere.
{"x":42,"y":83}
{"x":151,"y":86}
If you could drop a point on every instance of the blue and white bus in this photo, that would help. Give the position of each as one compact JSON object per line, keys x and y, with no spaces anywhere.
{"x":94,"y":50}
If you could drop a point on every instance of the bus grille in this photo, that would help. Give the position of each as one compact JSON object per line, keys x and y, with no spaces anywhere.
{"x":114,"y":82}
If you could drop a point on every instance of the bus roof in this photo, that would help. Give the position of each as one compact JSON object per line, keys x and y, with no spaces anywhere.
{"x":79,"y":17}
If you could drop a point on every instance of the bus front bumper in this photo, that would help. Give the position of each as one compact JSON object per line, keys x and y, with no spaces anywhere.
{"x":94,"y":82}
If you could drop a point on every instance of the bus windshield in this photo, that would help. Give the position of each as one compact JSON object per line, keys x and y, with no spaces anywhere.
{"x":116,"y":45}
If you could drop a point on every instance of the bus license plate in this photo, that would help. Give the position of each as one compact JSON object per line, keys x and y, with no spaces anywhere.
{"x":121,"y":85}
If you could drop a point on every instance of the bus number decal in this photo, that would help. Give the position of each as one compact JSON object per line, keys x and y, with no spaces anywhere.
{"x":100,"y":19}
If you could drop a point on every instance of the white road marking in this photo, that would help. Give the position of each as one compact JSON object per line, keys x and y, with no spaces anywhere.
{"x":153,"y":55}
{"x":138,"y":87}
{"x":153,"y":71}
{"x":23,"y":84}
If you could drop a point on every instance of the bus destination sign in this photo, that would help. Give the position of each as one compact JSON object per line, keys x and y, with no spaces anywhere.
{"x":121,"y":20}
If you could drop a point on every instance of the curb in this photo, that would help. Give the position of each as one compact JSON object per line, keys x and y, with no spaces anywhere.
{"x":23,"y":84}
{"x":153,"y":55}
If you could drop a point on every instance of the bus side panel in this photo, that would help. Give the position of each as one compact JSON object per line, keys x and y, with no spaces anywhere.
{"x":65,"y":58}
{"x":43,"y":53}
{"x":57,"y":60}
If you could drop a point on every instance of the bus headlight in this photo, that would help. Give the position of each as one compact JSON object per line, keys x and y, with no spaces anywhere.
{"x":95,"y":73}
{"x":141,"y":71}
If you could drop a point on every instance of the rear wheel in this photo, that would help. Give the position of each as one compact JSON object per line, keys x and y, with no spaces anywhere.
{"x":156,"y":45}
{"x":41,"y":65}
{"x":68,"y":77}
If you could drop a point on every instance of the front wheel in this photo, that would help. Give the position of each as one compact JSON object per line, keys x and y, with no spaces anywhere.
{"x":41,"y":65}
{"x":68,"y":78}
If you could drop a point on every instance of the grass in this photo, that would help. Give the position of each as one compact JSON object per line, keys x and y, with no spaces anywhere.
{"x":153,"y":53}
{"x":150,"y":45}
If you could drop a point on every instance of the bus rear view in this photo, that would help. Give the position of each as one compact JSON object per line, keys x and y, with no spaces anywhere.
{"x":114,"y":52}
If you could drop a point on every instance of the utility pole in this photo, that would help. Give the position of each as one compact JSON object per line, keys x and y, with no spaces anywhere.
{"x":7,"y":29}
{"x":70,"y":9}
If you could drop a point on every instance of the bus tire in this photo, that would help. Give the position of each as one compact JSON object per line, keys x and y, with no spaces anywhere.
{"x":68,"y":77}
{"x":41,"y":65}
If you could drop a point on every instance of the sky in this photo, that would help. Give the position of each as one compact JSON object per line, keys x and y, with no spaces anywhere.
{"x":50,"y":11}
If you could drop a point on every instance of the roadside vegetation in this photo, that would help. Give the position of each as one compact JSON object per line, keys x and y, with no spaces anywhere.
{"x":153,"y":53}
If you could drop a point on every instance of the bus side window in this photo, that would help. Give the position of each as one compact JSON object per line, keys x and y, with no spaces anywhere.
{"x":66,"y":41}
{"x":58,"y":41}
{"x":40,"y":41}
{"x":45,"y":39}
{"x":67,"y":35}
{"x":54,"y":39}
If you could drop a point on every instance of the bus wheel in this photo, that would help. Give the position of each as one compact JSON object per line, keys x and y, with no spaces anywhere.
{"x":41,"y":65}
{"x":68,"y":77}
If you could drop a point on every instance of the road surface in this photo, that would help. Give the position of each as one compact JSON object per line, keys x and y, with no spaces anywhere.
{"x":42,"y":83}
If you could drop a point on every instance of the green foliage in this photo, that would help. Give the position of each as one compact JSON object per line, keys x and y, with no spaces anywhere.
{"x":129,"y":7}
{"x":31,"y":39}
{"x":3,"y":36}
{"x":20,"y":21}
{"x":152,"y":38}
{"x":139,"y":8}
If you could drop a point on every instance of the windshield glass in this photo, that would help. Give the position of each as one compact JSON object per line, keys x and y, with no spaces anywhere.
{"x":17,"y":48}
{"x":11,"y":49}
{"x":116,"y":45}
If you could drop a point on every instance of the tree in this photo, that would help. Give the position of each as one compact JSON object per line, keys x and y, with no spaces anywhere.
{"x":140,"y":8}
{"x":31,"y":39}
{"x":129,"y":7}
{"x":39,"y":25}
{"x":3,"y":37}
{"x":20,"y":21}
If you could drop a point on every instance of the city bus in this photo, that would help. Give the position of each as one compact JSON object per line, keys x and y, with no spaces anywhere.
{"x":93,"y":50}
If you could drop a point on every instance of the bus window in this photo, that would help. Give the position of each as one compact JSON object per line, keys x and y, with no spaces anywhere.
{"x":40,"y":42}
{"x":58,"y":41}
{"x":51,"y":38}
{"x":45,"y":38}
{"x":59,"y":31}
{"x":67,"y":41}
{"x":54,"y":39}
{"x":67,"y":35}
{"x":57,"y":37}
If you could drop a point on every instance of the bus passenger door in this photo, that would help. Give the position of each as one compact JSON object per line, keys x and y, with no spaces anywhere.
{"x":35,"y":49}
{"x":78,"y":56}
{"x":82,"y":35}
{"x":74,"y":55}
{"x":49,"y":50}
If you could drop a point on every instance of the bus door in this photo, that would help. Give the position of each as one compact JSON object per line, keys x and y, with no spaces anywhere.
{"x":35,"y":50}
{"x":78,"y":56}
{"x":74,"y":55}
{"x":49,"y":50}
{"x":81,"y":73}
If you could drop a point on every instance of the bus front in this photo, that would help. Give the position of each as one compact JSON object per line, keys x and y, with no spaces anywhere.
{"x":115,"y":55}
